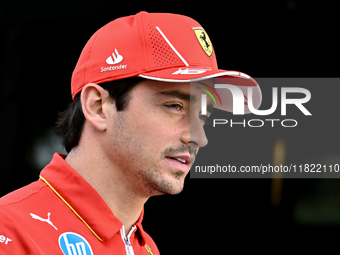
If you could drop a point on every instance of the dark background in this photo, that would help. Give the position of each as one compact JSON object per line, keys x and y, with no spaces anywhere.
{"x":39,"y":47}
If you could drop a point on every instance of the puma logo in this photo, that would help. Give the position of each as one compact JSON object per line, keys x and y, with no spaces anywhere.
{"x":48,"y":220}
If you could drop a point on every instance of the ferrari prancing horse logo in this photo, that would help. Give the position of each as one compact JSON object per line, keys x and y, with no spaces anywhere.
{"x":204,"y":40}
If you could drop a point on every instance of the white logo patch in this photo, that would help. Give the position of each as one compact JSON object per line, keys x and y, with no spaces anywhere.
{"x":117,"y":58}
{"x":5,"y":240}
{"x":190,"y":71}
{"x":48,"y":220}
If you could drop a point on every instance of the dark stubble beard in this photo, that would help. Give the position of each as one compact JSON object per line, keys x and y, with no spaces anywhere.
{"x":150,"y":180}
{"x":162,"y":186}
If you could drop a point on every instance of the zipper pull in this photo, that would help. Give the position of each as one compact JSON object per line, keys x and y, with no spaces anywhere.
{"x":127,"y":241}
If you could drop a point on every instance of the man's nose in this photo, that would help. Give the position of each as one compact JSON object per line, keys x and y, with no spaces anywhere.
{"x":197,"y":134}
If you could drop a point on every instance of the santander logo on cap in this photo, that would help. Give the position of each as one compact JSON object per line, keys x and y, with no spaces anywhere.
{"x":116,"y":58}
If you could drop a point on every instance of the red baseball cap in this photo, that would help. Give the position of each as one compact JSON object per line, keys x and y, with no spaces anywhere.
{"x":158,"y":46}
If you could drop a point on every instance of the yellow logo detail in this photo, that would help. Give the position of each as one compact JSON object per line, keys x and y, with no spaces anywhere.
{"x":204,"y":40}
{"x":148,"y":249}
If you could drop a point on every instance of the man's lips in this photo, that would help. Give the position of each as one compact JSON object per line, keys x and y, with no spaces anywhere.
{"x":184,"y":159}
{"x":182,"y":162}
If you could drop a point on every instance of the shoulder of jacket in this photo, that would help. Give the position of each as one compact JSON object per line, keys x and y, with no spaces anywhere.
{"x":21,"y":194}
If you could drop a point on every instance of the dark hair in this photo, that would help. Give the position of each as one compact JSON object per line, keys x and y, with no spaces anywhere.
{"x":70,"y":122}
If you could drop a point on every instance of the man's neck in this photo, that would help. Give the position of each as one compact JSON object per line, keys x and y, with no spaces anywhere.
{"x":110,"y":184}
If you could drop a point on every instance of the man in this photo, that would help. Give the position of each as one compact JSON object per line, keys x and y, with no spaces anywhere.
{"x":132,"y":132}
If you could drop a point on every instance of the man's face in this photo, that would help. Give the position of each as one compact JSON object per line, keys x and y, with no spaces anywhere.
{"x":155,"y":139}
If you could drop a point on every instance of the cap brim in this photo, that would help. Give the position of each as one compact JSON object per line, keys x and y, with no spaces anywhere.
{"x":194,"y":74}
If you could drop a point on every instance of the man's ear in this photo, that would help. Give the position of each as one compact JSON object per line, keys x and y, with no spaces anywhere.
{"x":93,"y":98}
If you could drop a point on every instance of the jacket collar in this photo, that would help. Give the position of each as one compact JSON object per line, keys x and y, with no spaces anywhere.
{"x":83,"y":199}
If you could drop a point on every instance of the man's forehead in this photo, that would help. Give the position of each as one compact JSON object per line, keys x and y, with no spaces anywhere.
{"x":181,"y":87}
{"x":184,"y":95}
{"x":188,"y":91}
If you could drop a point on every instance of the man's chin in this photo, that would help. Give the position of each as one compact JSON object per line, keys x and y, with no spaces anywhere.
{"x":169,"y":188}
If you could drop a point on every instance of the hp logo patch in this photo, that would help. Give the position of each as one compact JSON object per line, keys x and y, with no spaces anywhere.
{"x":74,"y":244}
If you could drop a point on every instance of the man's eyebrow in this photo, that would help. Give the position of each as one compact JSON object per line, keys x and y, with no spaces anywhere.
{"x":178,"y":94}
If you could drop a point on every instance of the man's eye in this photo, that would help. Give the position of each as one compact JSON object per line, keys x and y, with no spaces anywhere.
{"x":176,"y":107}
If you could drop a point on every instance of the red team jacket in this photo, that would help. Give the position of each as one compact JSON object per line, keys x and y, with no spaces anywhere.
{"x":62,"y":214}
